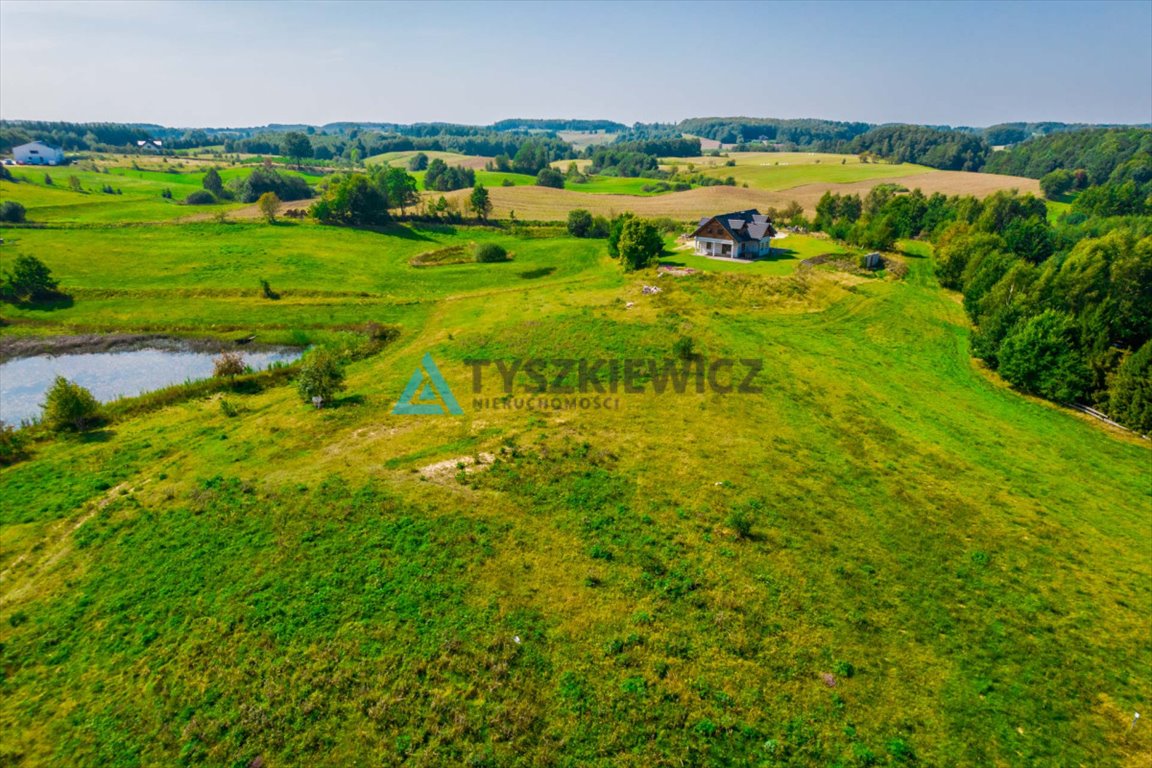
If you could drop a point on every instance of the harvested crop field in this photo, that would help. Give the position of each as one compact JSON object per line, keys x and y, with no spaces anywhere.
{"x":545,"y":204}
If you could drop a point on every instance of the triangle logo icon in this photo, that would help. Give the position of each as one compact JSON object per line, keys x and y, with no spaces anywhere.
{"x":427,"y":393}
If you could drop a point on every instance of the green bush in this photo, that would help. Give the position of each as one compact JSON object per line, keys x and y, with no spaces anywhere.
{"x":579,"y":222}
{"x":70,"y":407}
{"x":550,"y":177}
{"x":200,"y":197}
{"x":741,"y":522}
{"x":12,"y":212}
{"x":487,"y":253}
{"x":321,"y":377}
{"x":13,"y":445}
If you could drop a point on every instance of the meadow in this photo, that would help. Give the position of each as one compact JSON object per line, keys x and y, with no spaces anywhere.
{"x":883,"y":557}
{"x":785,"y":170}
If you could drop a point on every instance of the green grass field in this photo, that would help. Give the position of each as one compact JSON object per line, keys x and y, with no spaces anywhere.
{"x":784,"y":170}
{"x":883,"y":557}
{"x":140,"y":198}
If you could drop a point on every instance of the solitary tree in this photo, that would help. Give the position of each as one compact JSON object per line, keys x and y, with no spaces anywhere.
{"x":213,"y":183}
{"x":297,"y":146}
{"x":321,"y":377}
{"x":398,"y":187}
{"x":639,"y":243}
{"x":269,"y":204}
{"x":480,"y":202}
{"x":70,"y":407}
{"x":419,"y":162}
{"x":29,"y":280}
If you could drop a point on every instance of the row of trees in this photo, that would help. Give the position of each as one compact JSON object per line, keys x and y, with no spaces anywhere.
{"x":1063,"y":310}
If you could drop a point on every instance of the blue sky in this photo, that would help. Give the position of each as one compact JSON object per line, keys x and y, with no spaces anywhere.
{"x":239,"y":63}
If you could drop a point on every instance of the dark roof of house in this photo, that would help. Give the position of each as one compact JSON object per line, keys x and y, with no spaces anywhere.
{"x":742,"y":226}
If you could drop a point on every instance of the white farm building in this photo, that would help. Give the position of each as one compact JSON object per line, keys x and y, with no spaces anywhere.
{"x":38,"y":153}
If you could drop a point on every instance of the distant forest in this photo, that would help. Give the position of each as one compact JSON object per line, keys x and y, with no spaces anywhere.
{"x":1032,"y":149}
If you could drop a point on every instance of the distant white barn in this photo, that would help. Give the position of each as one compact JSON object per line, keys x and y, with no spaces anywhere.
{"x":151,"y":145}
{"x":38,"y":153}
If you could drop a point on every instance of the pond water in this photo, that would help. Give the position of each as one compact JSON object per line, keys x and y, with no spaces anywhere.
{"x":110,"y":375}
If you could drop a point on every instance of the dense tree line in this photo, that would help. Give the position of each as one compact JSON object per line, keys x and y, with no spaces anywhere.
{"x":517,"y":124}
{"x":934,"y":147}
{"x":97,"y":137}
{"x":1100,"y":153}
{"x":356,"y":144}
{"x":1063,"y":311}
{"x":1014,"y":133}
{"x":821,"y":135}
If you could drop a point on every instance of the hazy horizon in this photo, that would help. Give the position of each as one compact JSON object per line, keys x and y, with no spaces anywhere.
{"x":197,"y":64}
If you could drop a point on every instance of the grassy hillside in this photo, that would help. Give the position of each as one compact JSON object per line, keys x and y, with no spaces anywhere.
{"x":883,"y":557}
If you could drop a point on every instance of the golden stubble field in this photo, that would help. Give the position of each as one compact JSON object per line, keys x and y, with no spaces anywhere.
{"x":531,"y":203}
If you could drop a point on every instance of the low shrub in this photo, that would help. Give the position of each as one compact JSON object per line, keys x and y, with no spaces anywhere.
{"x":228,"y":365}
{"x":487,"y":253}
{"x":200,"y":197}
{"x":741,"y":523}
{"x":70,"y":407}
{"x":684,"y":348}
{"x":13,"y":445}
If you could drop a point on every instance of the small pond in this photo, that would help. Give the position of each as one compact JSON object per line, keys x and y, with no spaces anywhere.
{"x":111,"y":375}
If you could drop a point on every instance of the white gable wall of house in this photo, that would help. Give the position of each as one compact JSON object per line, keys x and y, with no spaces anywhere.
{"x":714,"y":246}
{"x":38,"y":153}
